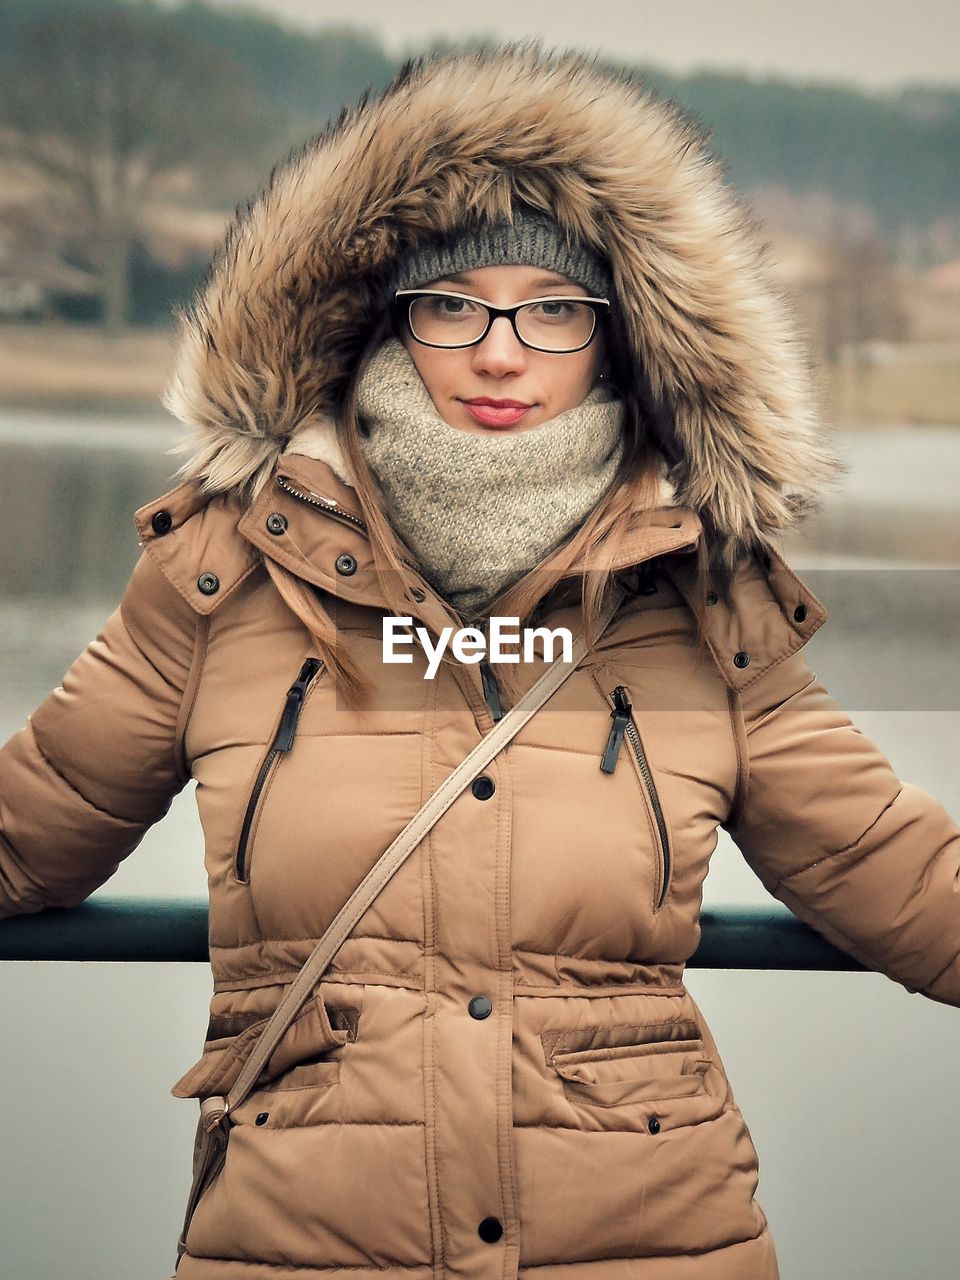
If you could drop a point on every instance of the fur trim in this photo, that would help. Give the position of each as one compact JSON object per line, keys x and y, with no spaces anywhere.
{"x":319,"y":440}
{"x":270,"y":342}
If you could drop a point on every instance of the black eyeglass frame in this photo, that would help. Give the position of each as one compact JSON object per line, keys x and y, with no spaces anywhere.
{"x":404,"y":299}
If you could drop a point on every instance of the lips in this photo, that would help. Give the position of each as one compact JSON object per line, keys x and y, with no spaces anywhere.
{"x":499,"y":404}
{"x":496,"y":413}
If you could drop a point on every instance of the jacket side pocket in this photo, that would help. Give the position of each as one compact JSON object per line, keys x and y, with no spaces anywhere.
{"x":307,"y":1040}
{"x":642,"y":1076}
{"x":634,"y":1073}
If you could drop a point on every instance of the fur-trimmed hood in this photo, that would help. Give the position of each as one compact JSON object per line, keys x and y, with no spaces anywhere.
{"x":269,"y":344}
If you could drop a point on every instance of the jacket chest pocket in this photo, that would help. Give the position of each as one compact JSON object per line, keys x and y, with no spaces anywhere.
{"x":279,"y":748}
{"x":624,"y":727}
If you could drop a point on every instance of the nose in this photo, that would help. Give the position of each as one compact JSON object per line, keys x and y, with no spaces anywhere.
{"x":501,"y":352}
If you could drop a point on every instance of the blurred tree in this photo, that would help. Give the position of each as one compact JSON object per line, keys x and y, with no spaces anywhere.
{"x":110,"y":110}
{"x":863,"y":296}
{"x":896,"y":152}
{"x":310,"y":75}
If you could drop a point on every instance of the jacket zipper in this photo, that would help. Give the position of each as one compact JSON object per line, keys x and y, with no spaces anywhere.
{"x":625,"y":725}
{"x":330,"y":505}
{"x":282,"y":743}
{"x":333,"y":508}
{"x":491,"y":689}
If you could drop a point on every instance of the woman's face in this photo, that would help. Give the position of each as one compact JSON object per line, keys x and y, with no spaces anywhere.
{"x":501,"y":367}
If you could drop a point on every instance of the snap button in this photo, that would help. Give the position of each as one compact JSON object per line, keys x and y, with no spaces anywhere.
{"x":418,"y":594}
{"x":712,"y":597}
{"x":653,"y":1124}
{"x":262,"y":1118}
{"x":208,"y":583}
{"x":346,"y":564}
{"x":490,"y":1229}
{"x":480,"y":1007}
{"x":162,"y":522}
{"x":276,"y":523}
{"x":483,"y":787}
{"x":799,"y":613}
{"x":741,"y":659}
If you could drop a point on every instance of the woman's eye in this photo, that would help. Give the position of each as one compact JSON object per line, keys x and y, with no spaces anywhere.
{"x":554,"y":310}
{"x":451,"y":306}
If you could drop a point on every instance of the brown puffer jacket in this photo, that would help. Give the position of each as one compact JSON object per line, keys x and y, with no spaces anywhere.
{"x":502,"y":1072}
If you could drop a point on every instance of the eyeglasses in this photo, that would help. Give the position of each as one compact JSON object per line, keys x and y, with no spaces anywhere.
{"x":441,"y":318}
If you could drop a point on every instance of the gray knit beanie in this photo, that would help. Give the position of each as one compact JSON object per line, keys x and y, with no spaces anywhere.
{"x":532,"y":239}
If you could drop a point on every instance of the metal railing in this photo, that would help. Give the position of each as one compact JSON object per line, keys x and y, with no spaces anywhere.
{"x":175,"y":929}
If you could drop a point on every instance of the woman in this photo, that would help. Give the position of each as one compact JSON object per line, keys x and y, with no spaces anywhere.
{"x":502,"y":1070}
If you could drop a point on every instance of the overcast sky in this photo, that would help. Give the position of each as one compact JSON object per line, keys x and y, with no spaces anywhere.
{"x":872,"y":43}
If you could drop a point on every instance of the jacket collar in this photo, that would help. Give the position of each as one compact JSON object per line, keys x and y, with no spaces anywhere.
{"x":321,"y":536}
{"x":321,"y":528}
{"x":771,"y":614}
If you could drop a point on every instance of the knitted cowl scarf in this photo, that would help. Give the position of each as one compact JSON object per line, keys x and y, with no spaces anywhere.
{"x":479,"y":512}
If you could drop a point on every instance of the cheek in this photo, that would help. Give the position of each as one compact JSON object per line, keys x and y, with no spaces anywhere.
{"x":437,"y":371}
{"x":420,"y":356}
{"x":578,"y":378}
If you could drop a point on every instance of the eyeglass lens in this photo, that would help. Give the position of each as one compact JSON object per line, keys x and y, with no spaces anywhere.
{"x":555,"y":325}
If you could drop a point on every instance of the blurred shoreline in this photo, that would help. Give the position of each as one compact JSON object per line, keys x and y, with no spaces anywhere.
{"x":70,"y":368}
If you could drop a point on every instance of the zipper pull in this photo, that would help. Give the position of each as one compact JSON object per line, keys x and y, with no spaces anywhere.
{"x":291,"y":712}
{"x":620,"y":715}
{"x":491,"y":689}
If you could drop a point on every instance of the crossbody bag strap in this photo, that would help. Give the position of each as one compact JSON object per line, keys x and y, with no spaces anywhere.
{"x":213,"y":1109}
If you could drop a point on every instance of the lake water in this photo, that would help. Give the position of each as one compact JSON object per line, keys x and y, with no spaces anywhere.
{"x":848,"y":1082}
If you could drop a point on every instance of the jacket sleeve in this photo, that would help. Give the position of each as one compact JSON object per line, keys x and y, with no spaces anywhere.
{"x":869,"y":861}
{"x":99,"y":761}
